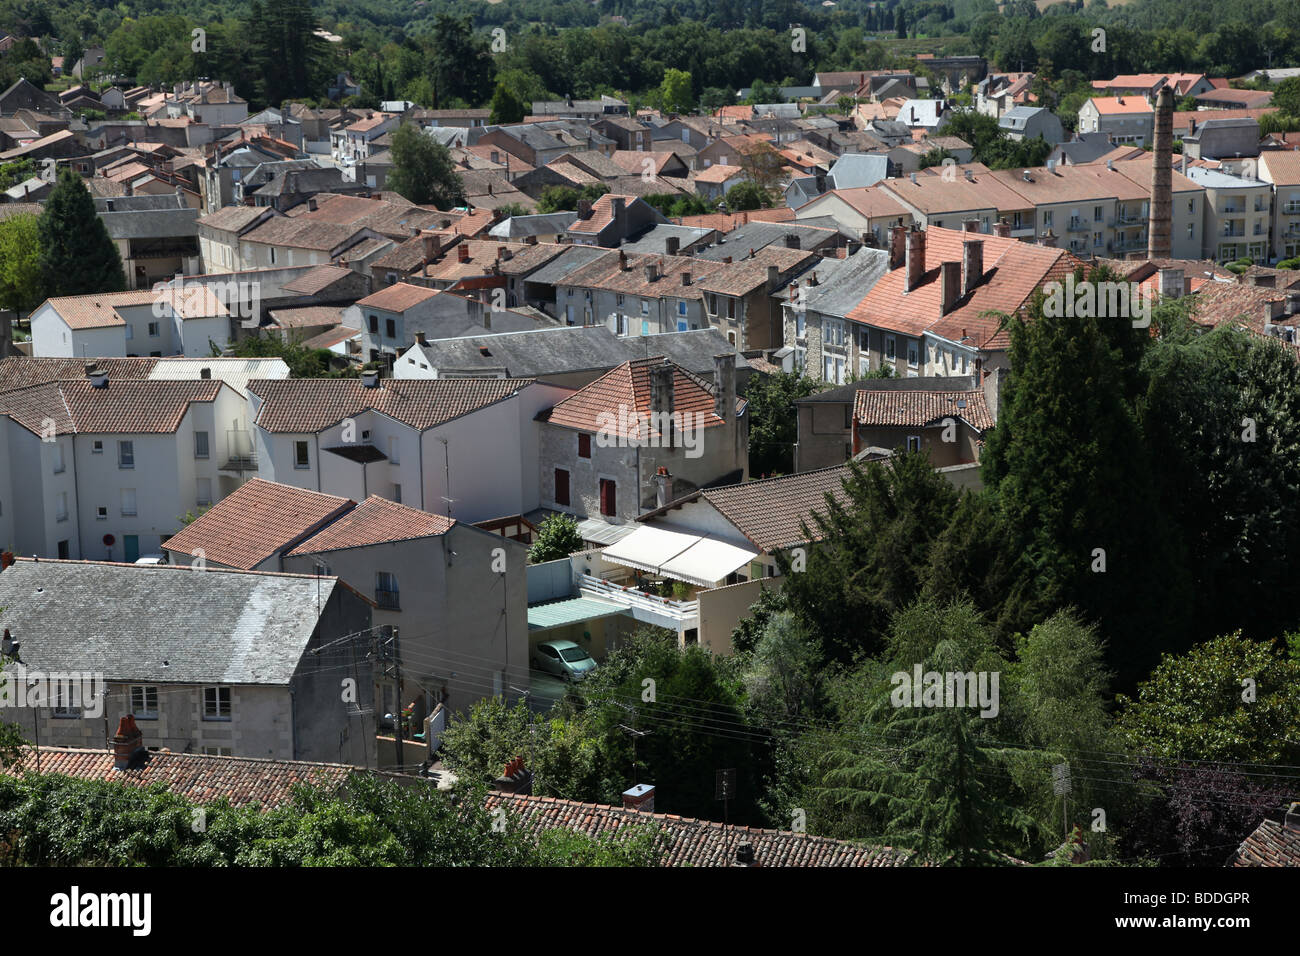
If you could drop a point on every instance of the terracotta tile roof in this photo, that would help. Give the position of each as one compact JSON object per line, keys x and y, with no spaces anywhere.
{"x":725,"y":222}
{"x":475,"y":223}
{"x":317,"y":280}
{"x":312,"y":404}
{"x":769,"y":511}
{"x":870,"y":202}
{"x":1119,"y":105}
{"x":624,"y":392}
{"x":122,"y":406}
{"x":375,"y":521}
{"x":232,"y":218}
{"x":1219,"y":302}
{"x":933,"y":195}
{"x":96,"y":311}
{"x":301,"y":233}
{"x":22,"y":371}
{"x":331,"y":338}
{"x":921,"y":408}
{"x":395,"y":220}
{"x":1272,"y":843}
{"x":743,"y":277}
{"x":717,"y":173}
{"x":307,"y":316}
{"x":1013,"y":270}
{"x":198,"y":777}
{"x":1282,"y":166}
{"x":255,"y":521}
{"x":604,"y":273}
{"x":694,"y":842}
{"x":397,"y":297}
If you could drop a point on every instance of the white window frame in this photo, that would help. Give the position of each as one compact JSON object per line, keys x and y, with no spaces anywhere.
{"x":212,"y":703}
{"x":140,"y":695}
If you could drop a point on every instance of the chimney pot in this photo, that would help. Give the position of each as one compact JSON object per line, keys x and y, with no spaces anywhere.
{"x":128,"y":743}
{"x":915,"y":258}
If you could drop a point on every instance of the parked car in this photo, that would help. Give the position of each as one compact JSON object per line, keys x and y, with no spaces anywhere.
{"x":564,"y":659}
{"x":152,"y":559}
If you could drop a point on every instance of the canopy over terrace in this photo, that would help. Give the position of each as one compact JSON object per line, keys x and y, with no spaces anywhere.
{"x":697,"y":559}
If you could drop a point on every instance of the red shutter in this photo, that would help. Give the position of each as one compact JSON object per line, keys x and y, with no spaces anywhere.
{"x":607,"y":497}
{"x":584,"y":446}
{"x":561,"y":486}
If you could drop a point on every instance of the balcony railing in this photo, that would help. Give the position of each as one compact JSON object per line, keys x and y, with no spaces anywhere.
{"x":643,"y":606}
{"x":390,"y":600}
{"x":1292,"y":208}
{"x":1077,"y":225}
{"x":240,"y":455}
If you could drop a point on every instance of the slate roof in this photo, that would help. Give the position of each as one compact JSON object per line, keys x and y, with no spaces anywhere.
{"x":317,"y":280}
{"x":625,"y":391}
{"x":375,"y":521}
{"x":571,"y":259}
{"x":921,"y":408}
{"x":255,"y":521}
{"x":537,"y":353}
{"x":1272,"y":843}
{"x":841,"y":283}
{"x":313,"y":404}
{"x":87,"y":616}
{"x":694,"y":842}
{"x":201,"y":778}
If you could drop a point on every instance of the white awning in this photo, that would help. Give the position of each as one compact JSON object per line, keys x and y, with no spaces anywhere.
{"x":649,"y":547}
{"x":694,"y":558}
{"x":708,"y":561}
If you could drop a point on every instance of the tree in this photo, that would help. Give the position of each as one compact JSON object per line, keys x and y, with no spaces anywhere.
{"x":566,"y":198}
{"x":459,"y":62}
{"x":557,"y":537}
{"x":1074,"y":478}
{"x":20,"y":263}
{"x":423,"y":170}
{"x":1286,"y":97}
{"x":302,"y":362}
{"x":506,"y":106}
{"x":747,"y":195}
{"x":77,"y":256}
{"x":936,"y":783}
{"x":773,"y":420}
{"x":675,"y":94}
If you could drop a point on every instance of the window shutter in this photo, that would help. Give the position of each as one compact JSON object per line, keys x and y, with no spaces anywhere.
{"x":561,"y":486}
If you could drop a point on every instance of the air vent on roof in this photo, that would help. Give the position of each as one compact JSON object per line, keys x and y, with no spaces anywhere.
{"x":483,"y":350}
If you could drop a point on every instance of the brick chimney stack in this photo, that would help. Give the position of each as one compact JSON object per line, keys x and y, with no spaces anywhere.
{"x":662,"y":399}
{"x":972,"y":264}
{"x":915,"y":258}
{"x":1160,"y":222}
{"x":950,"y":290}
{"x":724,"y":378}
{"x":514,"y":778}
{"x":897,"y":247}
{"x":1002,"y":229}
{"x":128,"y":744}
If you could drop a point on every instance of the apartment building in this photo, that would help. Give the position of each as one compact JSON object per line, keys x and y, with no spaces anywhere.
{"x":948,"y":201}
{"x":108,"y":468}
{"x":463,"y":448}
{"x":640,"y":293}
{"x":821,"y":342}
{"x":1238,"y":215}
{"x":1281,"y":168}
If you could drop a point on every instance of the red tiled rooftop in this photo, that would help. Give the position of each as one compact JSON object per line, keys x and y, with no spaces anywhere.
{"x":375,"y":521}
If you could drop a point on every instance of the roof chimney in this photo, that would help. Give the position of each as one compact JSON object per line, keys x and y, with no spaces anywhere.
{"x":661,"y":400}
{"x":915,"y":258}
{"x":98,"y":377}
{"x":686,"y":277}
{"x":432,"y":246}
{"x":773,"y":278}
{"x":622,"y":261}
{"x":792,"y":240}
{"x":651,"y":271}
{"x":972,"y":264}
{"x":128,"y":744}
{"x":671,"y":245}
{"x":1002,"y":229}
{"x":1171,"y":283}
{"x":205,"y":372}
{"x":897,"y":246}
{"x":462,"y":252}
{"x":514,"y":778}
{"x":584,"y":208}
{"x":970,"y":225}
{"x":1159,"y":224}
{"x":370,"y":378}
{"x":950,"y":292}
{"x":640,"y":799}
{"x":724,"y":381}
{"x":421,"y":338}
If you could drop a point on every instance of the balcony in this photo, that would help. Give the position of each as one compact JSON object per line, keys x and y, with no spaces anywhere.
{"x":388,"y":600}
{"x":647,"y":608}
{"x":1292,"y":208}
{"x":1233,"y":232}
{"x":1132,"y":219}
{"x":240,"y":456}
{"x":1077,"y":225}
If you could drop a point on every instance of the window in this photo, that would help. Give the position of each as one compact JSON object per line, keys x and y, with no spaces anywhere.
{"x":608,"y":497}
{"x":800,"y":325}
{"x":584,"y":446}
{"x":561,"y":487}
{"x":913,"y":357}
{"x":374,"y":324}
{"x":101,"y":513}
{"x":681,"y":308}
{"x":126,"y":454}
{"x":58,"y":458}
{"x":913,"y":442}
{"x":390,"y":328}
{"x":386,"y":593}
{"x":144,"y":702}
{"x":1047,"y":219}
{"x":397,"y":493}
{"x":301,"y":457}
{"x":1097,"y":214}
{"x":621,"y":325}
{"x":200,"y":444}
{"x":216,"y":703}
{"x":394,"y":450}
{"x":217,"y":752}
{"x":645,"y":307}
{"x":97,"y":447}
{"x":618,"y":299}
{"x":64,"y":552}
{"x":889,"y":348}
{"x":203,"y":493}
{"x":154,"y":330}
{"x":63,"y":700}
{"x":645,"y":327}
{"x":130,"y":333}
{"x":61,"y":506}
{"x":128,"y":501}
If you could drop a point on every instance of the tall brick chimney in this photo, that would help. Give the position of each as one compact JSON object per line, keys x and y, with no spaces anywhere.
{"x":950,"y":290}
{"x":972,"y":264}
{"x":915,"y":258}
{"x":724,"y":377}
{"x":1002,"y":228}
{"x":128,"y":744}
{"x":1160,"y":223}
{"x":661,"y":400}
{"x":897,"y":246}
